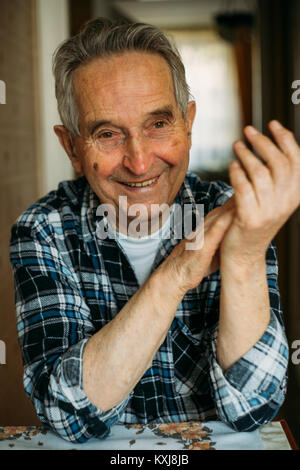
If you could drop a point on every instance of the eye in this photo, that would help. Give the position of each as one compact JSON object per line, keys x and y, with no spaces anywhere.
{"x":159,"y":129}
{"x":105,"y":135}
{"x":159,"y":124}
{"x":109,"y":139}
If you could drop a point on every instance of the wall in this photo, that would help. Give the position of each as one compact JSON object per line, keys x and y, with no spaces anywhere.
{"x":19,"y":170}
{"x":293,"y":405}
{"x":31,"y":159}
{"x":280,"y":66}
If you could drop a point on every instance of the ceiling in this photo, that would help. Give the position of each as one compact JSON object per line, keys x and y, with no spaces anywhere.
{"x":179,"y":13}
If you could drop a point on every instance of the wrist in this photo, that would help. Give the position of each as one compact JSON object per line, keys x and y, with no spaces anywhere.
{"x":166,"y":280}
{"x":243,"y":259}
{"x":243,"y":266}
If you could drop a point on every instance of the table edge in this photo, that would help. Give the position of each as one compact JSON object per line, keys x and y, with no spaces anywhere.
{"x":288,"y":433}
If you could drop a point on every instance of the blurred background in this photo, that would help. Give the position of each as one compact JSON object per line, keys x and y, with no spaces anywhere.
{"x":241,"y":58}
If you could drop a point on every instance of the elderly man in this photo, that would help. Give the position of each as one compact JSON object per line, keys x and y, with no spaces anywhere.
{"x":124,"y":329}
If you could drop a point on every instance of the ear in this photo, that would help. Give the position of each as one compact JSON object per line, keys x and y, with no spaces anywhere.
{"x":66,"y":141}
{"x":190,"y":116}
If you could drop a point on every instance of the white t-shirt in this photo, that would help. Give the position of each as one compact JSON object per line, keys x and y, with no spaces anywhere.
{"x":141,"y":252}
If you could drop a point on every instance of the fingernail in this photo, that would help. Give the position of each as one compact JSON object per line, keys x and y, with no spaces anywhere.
{"x":276,"y":125}
{"x":251,"y":130}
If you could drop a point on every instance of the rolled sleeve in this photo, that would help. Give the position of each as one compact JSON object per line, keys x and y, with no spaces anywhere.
{"x":250,"y":392}
{"x":54,"y":324}
{"x":65,"y":406}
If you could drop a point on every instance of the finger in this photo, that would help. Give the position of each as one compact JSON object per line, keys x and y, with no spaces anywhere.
{"x":258,"y":174}
{"x":210,"y":231}
{"x":214,"y":265}
{"x":230,"y":203}
{"x":210,"y":218}
{"x":267,"y":150}
{"x":217,"y":211}
{"x":245,"y":195}
{"x":285,"y":139}
{"x":216,"y":231}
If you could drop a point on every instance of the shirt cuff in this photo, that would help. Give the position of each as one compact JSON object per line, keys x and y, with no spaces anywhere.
{"x":256,"y":378}
{"x":67,"y":386}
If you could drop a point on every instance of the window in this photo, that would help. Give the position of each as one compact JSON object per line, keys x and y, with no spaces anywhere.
{"x":212,"y":76}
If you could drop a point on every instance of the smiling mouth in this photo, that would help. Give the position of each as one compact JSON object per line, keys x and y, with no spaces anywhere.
{"x":141,"y":184}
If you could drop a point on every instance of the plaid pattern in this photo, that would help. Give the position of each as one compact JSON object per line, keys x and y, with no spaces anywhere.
{"x":69,"y":284}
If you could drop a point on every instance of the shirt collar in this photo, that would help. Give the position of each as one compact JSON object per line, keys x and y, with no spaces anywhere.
{"x":89,"y":205}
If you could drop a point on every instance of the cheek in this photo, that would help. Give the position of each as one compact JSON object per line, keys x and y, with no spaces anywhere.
{"x":96,"y":164}
{"x":102,"y":167}
{"x":174,"y":152}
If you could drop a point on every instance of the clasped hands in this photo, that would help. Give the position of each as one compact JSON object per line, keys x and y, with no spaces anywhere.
{"x":266,"y":193}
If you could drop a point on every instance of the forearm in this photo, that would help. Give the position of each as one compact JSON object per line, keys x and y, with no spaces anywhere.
{"x":118,"y":355}
{"x":244,"y":309}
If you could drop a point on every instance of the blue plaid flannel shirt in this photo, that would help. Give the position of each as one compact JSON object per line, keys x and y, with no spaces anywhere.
{"x":69,"y":284}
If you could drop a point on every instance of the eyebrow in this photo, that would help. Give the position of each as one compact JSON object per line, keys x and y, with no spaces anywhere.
{"x":166,"y":112}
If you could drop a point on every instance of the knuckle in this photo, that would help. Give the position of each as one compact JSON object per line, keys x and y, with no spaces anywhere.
{"x":283,"y":165}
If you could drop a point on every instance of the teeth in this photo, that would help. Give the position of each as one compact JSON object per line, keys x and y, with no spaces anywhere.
{"x":141,"y":185}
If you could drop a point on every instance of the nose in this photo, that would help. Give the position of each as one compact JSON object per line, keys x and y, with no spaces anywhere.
{"x":138,"y":157}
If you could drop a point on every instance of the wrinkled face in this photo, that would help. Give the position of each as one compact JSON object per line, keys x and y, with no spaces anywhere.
{"x":134,"y":140}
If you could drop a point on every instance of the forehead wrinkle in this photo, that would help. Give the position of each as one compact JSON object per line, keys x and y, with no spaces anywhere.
{"x":101,"y":96}
{"x":127,"y":114}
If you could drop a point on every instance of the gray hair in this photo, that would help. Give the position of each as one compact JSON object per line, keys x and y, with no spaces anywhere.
{"x":99,"y":38}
